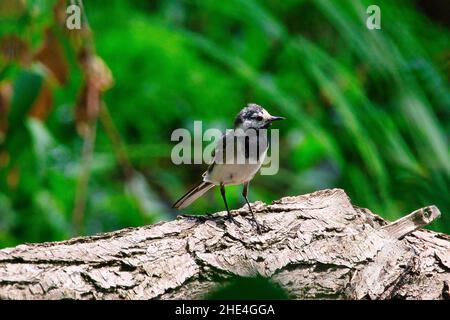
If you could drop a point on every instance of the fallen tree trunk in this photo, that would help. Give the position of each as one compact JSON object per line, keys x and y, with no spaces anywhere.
{"x":315,"y":245}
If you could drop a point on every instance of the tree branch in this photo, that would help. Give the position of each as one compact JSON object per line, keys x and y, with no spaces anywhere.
{"x":317,"y":246}
{"x":413,"y":221}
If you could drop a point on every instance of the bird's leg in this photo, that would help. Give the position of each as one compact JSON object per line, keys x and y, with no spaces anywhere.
{"x":230,"y":217}
{"x":245,"y":193}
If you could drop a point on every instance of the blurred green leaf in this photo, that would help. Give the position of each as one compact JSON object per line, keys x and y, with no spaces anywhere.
{"x":256,"y":288}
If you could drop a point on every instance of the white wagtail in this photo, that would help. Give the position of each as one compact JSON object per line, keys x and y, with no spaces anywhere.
{"x":237,"y":158}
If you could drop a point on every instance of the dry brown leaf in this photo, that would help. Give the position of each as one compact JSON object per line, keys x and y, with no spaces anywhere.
{"x":43,"y":103}
{"x":10,"y":8}
{"x":5,"y":100}
{"x":59,"y":12}
{"x":4,"y":159}
{"x":99,"y":74}
{"x":51,"y":54}
{"x":13,"y":177}
{"x":98,"y":78}
{"x":81,"y":113}
{"x":12,"y":48}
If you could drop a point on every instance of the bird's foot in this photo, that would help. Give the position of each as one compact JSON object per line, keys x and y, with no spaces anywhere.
{"x":260,"y":228}
{"x":231,"y":219}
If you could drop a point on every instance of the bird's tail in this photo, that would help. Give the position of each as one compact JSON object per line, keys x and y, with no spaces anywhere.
{"x":193,"y":195}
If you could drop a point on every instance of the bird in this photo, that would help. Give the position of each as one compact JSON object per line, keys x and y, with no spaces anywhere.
{"x":245,"y":142}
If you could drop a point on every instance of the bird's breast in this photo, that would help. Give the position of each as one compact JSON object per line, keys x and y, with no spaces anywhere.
{"x":234,"y":173}
{"x":237,"y":159}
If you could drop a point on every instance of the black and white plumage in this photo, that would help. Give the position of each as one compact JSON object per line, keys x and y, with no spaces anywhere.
{"x":237,"y":158}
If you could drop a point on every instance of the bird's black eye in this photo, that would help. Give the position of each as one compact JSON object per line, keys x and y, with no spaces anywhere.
{"x":259,"y":118}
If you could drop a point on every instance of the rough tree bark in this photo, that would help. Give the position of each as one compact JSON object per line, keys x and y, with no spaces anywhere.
{"x":317,"y":245}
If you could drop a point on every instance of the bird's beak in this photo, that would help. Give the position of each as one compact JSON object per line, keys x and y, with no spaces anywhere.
{"x":276,"y":118}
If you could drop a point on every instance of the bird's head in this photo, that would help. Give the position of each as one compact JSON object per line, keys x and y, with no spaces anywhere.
{"x":254,"y":117}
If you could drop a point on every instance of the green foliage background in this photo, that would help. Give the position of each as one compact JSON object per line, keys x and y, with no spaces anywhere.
{"x":368,"y":110}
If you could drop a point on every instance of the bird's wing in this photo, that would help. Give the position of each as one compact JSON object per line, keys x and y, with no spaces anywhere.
{"x":219,"y":153}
